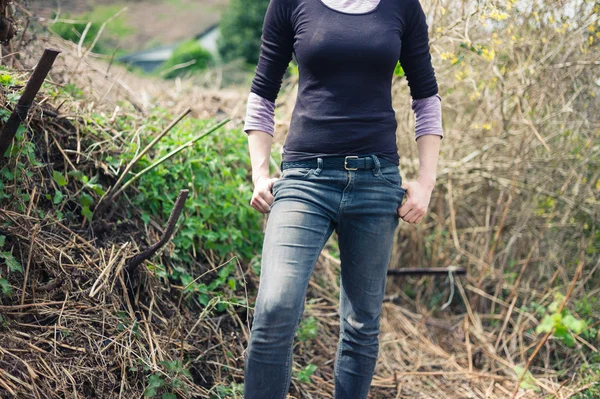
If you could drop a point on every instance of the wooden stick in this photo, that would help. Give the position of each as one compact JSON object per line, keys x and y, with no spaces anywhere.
{"x":435,"y":271}
{"x":31,"y":89}
{"x":31,"y":246}
{"x":169,"y":155}
{"x":134,"y":262}
{"x":149,"y":146}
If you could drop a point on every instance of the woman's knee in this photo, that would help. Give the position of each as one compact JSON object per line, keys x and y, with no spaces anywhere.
{"x":276,"y":315}
{"x":362,"y":329}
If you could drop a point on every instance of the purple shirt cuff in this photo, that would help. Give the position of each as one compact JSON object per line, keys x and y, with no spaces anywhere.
{"x":428,"y":116}
{"x":260,"y":114}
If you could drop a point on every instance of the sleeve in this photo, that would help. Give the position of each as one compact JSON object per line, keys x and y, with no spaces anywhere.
{"x":277,"y":45}
{"x":428,"y":116}
{"x":415,"y":57}
{"x":260,"y":114}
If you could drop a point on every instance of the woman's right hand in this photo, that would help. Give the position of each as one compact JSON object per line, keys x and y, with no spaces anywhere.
{"x":262,"y":197}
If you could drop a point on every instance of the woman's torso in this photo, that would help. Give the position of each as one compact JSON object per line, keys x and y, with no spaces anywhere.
{"x":346,"y":63}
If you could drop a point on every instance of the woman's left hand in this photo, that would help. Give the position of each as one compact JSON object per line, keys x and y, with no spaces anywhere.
{"x":418,"y":197}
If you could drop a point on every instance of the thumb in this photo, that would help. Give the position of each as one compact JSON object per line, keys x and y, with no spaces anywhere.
{"x":404,"y":186}
{"x":272,"y":181}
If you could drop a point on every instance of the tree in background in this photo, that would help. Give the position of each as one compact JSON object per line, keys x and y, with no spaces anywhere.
{"x":241,"y":29}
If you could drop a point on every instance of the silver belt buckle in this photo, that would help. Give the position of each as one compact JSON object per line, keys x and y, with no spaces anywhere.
{"x":346,"y":162}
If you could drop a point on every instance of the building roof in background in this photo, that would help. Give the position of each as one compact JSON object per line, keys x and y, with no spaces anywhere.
{"x":162,"y":53}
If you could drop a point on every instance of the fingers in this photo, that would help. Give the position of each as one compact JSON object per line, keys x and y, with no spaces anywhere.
{"x":259,"y":203}
{"x":411,"y":212}
{"x":409,"y":216}
{"x":415,"y":207}
{"x":268,"y":197}
{"x":404,"y":209}
{"x":262,"y":197}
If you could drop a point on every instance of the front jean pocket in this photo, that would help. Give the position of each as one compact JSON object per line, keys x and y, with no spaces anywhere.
{"x":292,"y":174}
{"x":297,"y":173}
{"x":390,"y":176}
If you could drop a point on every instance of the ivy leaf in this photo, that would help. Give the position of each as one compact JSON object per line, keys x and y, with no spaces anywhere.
{"x":305,"y":374}
{"x":169,"y":395}
{"x":203,"y":299}
{"x":528,"y":381}
{"x":86,"y":212}
{"x":231,"y":283}
{"x":76,"y":174}
{"x":86,"y":200}
{"x":177,"y":384}
{"x":58,"y":197}
{"x":7,"y":174}
{"x":569,"y":321}
{"x":59,"y":178}
{"x":546,"y":325}
{"x":12,"y":263}
{"x":97,"y":188}
{"x":5,"y":287}
{"x":221,"y":306}
{"x":2,"y":239}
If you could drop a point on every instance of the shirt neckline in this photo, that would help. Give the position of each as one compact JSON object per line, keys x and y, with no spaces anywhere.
{"x":351,"y":13}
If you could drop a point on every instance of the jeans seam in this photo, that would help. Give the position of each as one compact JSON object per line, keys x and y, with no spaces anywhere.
{"x":290,"y":350}
{"x":337,"y":361}
{"x":289,"y":359}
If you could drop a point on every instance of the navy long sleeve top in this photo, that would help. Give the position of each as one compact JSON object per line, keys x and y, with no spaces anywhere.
{"x":346,"y":62}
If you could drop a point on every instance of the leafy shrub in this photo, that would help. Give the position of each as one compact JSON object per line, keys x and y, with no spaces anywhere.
{"x":233,"y":391}
{"x":218,"y":222}
{"x":563,"y":325}
{"x":167,"y":382}
{"x":217,"y":215}
{"x":187,"y":52}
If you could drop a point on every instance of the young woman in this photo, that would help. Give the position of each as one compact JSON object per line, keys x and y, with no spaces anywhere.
{"x":339,"y":172}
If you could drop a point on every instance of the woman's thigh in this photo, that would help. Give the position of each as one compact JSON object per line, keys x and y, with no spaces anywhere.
{"x":297,"y":229}
{"x":366,"y":234}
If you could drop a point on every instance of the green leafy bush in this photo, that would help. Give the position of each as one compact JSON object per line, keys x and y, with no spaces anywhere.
{"x":13,"y":266}
{"x":167,"y":382}
{"x":189,"y":52}
{"x":563,"y":325}
{"x":305,"y":374}
{"x":217,"y":223}
{"x":217,"y":216}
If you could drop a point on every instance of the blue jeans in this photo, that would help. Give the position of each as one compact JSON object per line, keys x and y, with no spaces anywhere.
{"x":309,"y":204}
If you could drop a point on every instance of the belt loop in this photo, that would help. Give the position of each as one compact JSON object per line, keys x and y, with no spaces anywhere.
{"x":377,"y":164}
{"x":319,"y":166}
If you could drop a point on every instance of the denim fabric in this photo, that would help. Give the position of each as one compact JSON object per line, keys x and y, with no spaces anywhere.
{"x":309,"y":204}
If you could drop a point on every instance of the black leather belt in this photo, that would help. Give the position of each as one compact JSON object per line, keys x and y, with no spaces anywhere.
{"x":343,"y":163}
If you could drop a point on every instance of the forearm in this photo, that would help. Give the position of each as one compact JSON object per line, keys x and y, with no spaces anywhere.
{"x":259,"y":146}
{"x":429,"y":150}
